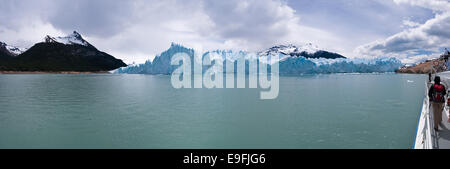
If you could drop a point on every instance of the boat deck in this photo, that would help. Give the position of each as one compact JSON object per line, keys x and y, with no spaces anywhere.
{"x":442,"y":137}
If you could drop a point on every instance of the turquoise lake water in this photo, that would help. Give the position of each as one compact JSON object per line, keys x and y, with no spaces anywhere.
{"x":145,"y":111}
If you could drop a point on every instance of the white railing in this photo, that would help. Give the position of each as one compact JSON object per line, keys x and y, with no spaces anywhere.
{"x":424,"y":139}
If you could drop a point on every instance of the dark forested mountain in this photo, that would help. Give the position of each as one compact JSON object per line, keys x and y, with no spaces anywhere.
{"x":5,"y":55}
{"x":70,"y":53}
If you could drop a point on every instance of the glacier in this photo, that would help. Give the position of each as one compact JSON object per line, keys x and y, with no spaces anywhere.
{"x":288,"y":64}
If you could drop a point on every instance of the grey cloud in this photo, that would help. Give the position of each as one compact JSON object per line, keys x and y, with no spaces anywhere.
{"x":249,"y":19}
{"x":15,"y":14}
{"x":430,"y":36}
{"x":407,"y":45}
{"x":441,"y":28}
{"x":436,"y":5}
{"x":98,"y":17}
{"x":146,"y":27}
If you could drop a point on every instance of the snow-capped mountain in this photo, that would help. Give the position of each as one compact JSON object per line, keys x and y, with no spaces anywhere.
{"x":12,"y":50}
{"x":73,"y":39}
{"x":70,"y":53}
{"x":290,"y":48}
{"x":307,"y":50}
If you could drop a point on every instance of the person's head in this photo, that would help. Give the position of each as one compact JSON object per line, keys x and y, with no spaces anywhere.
{"x":437,"y":80}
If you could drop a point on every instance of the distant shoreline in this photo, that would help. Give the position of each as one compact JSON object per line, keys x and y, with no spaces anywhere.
{"x":56,"y":72}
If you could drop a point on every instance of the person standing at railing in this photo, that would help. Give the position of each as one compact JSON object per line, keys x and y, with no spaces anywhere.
{"x":429,"y":77}
{"x":437,"y":94}
{"x":446,"y":55}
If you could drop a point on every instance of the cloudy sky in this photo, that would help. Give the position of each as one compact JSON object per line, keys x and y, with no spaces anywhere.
{"x":137,"y":30}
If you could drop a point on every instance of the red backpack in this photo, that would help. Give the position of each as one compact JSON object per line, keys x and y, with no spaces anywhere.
{"x":438,"y":94}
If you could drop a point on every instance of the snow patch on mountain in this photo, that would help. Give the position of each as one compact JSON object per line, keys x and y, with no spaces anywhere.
{"x":16,"y":50}
{"x":73,"y":39}
{"x":12,"y":49}
{"x":291,"y":49}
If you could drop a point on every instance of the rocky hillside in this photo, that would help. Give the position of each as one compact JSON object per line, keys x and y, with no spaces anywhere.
{"x":424,"y":68}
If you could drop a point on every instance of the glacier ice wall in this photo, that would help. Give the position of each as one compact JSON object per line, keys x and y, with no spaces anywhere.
{"x":288,"y":65}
